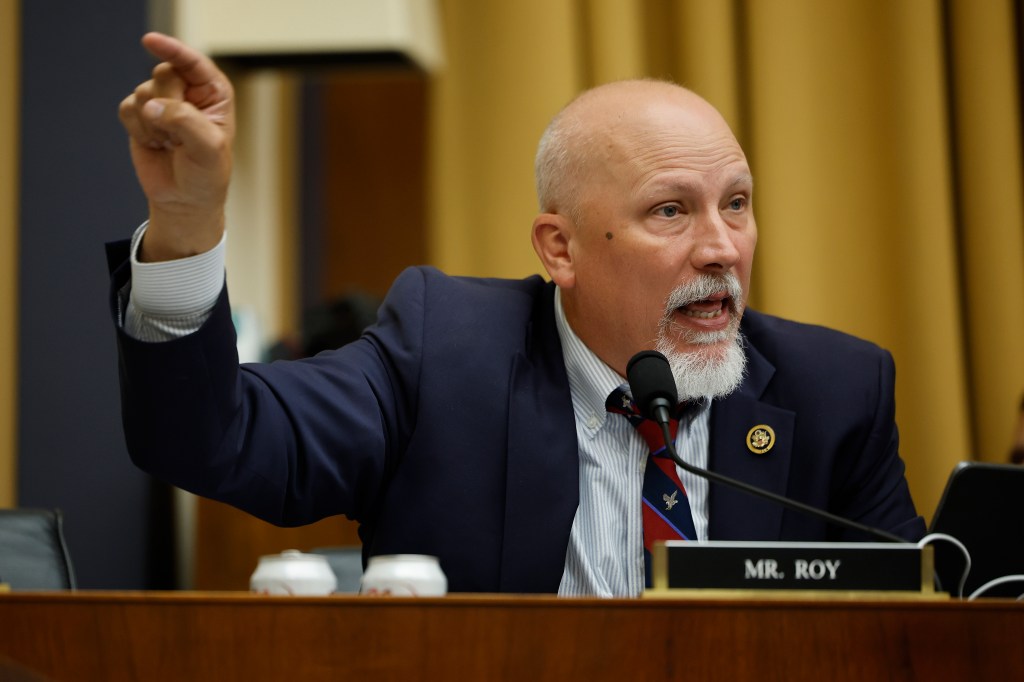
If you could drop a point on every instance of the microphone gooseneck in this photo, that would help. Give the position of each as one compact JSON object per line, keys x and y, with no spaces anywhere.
{"x":654,"y":392}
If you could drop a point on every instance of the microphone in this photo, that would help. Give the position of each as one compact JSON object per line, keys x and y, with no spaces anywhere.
{"x":652,"y":385}
{"x":654,"y":392}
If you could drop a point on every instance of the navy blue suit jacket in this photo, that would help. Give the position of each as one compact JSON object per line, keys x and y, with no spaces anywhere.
{"x":448,"y":429}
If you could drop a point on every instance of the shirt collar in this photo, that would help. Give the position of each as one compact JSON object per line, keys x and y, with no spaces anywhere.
{"x":590,"y":379}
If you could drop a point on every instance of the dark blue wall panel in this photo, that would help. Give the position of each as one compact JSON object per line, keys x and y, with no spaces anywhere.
{"x":78,"y":190}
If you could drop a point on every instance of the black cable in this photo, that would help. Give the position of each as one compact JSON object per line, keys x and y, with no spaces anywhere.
{"x":778,"y":499}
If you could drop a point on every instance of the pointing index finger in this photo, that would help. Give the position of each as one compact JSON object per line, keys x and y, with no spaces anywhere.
{"x":193,"y":66}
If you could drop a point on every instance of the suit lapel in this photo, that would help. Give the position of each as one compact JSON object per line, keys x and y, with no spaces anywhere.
{"x":735,"y":515}
{"x":542,"y":487}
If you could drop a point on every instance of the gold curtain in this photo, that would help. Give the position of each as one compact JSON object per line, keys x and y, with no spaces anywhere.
{"x":885,"y":139}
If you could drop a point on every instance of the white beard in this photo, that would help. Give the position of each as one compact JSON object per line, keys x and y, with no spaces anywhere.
{"x":704,"y":371}
{"x":701,"y":374}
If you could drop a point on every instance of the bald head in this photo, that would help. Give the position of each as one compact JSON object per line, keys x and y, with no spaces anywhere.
{"x":607,"y":123}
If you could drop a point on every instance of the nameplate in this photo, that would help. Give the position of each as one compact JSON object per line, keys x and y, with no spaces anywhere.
{"x":793,"y":566}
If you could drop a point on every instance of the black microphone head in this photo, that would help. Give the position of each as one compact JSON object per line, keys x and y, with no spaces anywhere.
{"x":651,"y":382}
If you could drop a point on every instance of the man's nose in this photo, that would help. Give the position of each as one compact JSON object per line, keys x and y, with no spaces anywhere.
{"x":714,"y":248}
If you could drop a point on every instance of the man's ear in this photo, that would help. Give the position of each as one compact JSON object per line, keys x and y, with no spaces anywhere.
{"x":552,"y":235}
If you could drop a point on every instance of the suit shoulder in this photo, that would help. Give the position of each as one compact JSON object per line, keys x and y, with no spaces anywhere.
{"x":435,"y":283}
{"x":779,"y":339}
{"x":466,"y":310}
{"x":818,"y":371}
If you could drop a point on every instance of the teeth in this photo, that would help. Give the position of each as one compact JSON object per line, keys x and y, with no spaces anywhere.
{"x":702,"y":315}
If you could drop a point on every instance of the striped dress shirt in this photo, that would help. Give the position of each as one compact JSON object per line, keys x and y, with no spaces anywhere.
{"x":605,"y":556}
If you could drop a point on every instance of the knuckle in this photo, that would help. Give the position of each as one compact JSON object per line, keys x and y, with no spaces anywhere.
{"x":144,"y":91}
{"x":220,"y":144}
{"x":166,"y":80}
{"x":126,"y":107}
{"x":162,"y":70}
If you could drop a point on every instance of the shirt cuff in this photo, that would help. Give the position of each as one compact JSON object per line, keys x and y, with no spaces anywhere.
{"x":176,"y":288}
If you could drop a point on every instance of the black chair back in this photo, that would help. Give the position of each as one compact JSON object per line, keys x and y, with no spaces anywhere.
{"x":347,"y":564}
{"x":33,"y":554}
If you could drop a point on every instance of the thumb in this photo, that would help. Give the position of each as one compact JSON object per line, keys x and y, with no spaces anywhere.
{"x":184,"y":125}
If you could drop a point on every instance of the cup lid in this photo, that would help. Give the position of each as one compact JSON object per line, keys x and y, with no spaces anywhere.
{"x":293,"y":555}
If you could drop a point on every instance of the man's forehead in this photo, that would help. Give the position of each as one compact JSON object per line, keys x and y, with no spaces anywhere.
{"x":687,"y":184}
{"x":683,"y":162}
{"x":649,"y":132}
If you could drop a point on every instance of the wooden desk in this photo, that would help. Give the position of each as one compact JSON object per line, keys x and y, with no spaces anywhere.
{"x":227,"y":636}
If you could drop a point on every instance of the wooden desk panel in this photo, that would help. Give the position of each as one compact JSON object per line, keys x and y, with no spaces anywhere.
{"x":222,"y":636}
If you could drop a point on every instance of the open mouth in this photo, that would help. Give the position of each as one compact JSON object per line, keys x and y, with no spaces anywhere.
{"x":705,"y":310}
{"x":708,"y":308}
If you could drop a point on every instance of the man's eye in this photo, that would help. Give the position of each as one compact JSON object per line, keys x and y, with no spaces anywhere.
{"x":668,"y":211}
{"x":737,"y":204}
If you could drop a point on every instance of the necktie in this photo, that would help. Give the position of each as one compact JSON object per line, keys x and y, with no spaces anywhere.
{"x":666,"y":508}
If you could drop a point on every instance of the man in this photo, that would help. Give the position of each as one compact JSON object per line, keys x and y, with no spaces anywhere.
{"x":448,"y":428}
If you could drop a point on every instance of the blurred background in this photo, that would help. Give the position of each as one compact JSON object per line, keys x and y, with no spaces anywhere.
{"x":885,"y":137}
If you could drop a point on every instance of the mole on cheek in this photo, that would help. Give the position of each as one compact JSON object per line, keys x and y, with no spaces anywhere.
{"x":608,"y":235}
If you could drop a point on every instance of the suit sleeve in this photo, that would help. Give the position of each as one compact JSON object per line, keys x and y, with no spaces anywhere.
{"x":289,"y":442}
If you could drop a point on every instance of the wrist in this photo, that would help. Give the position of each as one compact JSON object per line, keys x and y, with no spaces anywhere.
{"x":171,"y":235}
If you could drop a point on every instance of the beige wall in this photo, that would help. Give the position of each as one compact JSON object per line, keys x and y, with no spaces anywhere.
{"x":262,"y":209}
{"x":10,"y":52}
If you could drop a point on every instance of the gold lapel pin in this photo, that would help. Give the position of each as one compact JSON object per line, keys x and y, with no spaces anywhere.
{"x":760,"y":439}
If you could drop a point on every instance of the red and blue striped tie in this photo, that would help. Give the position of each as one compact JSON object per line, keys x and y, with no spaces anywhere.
{"x":666,"y":508}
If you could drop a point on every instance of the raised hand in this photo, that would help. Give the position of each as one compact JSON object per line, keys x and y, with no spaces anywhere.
{"x":181,"y":124}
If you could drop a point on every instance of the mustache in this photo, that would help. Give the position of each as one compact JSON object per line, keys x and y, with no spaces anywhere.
{"x":704,"y":286}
